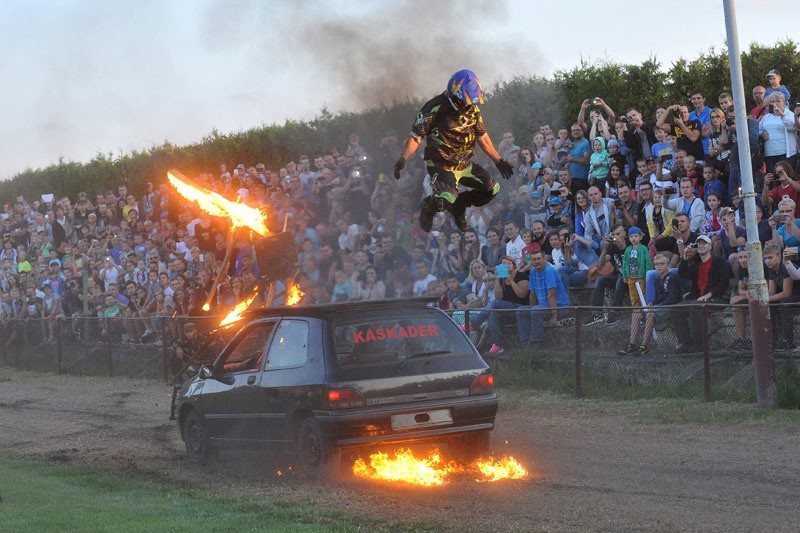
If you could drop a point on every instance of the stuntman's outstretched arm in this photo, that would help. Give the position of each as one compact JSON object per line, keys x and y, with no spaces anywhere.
{"x":485,"y":142}
{"x":410,"y":147}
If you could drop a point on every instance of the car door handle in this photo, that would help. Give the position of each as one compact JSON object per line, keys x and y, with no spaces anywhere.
{"x":251,"y":380}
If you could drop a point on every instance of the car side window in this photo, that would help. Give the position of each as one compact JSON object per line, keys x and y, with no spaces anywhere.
{"x":248,"y":354}
{"x":289,"y":345}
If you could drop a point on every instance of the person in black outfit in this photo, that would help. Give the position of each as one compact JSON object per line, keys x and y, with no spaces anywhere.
{"x":452,"y":123}
{"x":710,"y":277}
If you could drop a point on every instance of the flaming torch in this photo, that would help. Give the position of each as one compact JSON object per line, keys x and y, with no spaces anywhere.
{"x":216,"y":205}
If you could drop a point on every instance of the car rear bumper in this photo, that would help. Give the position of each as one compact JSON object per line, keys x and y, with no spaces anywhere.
{"x":373,"y":425}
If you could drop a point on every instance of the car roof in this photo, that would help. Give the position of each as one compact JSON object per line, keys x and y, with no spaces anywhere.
{"x":323,"y":310}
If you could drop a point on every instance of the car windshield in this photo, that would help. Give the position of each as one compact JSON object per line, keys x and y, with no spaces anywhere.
{"x":395,"y":336}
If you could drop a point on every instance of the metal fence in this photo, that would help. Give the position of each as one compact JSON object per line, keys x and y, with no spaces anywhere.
{"x":579,"y":355}
{"x":132,"y":347}
{"x":583,"y":353}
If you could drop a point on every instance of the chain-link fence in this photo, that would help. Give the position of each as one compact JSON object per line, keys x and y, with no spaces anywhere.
{"x":691,"y":351}
{"x":683,"y":351}
{"x":118,"y":346}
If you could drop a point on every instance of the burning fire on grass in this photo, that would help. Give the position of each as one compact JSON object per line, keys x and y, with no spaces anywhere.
{"x":432,"y":470}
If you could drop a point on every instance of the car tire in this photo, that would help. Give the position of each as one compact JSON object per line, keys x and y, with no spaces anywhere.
{"x":472,"y":445}
{"x":195,"y":438}
{"x":316,"y":457}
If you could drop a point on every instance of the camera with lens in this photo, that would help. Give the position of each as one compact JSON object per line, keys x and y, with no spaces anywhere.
{"x":624,"y":119}
{"x":693,"y":245}
{"x":730,"y":121}
{"x":670,"y":190}
{"x":617,"y":201}
{"x":596,"y":101}
{"x":771,"y":109}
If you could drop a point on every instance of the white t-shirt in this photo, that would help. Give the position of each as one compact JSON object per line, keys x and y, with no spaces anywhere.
{"x":514,"y":249}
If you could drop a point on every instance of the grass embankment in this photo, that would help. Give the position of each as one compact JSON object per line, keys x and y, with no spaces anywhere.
{"x":50,"y":497}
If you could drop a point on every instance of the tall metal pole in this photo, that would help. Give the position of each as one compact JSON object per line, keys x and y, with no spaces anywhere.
{"x":760,"y":325}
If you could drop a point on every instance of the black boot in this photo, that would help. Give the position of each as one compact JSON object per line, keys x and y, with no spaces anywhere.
{"x":458,"y":210}
{"x":427,"y":209}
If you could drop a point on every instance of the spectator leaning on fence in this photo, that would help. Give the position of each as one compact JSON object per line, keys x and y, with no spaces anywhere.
{"x":547,"y":301}
{"x":710,"y":277}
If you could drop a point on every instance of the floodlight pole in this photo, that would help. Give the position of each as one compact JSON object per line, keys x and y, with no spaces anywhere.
{"x":760,"y":325}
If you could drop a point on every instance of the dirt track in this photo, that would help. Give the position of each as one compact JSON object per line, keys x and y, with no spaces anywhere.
{"x":593,"y":470}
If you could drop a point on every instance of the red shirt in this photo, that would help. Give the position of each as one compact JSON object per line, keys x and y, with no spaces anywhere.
{"x":702,"y":276}
{"x":779,"y":193}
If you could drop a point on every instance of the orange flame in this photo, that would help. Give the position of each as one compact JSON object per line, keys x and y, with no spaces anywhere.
{"x":504,"y":468}
{"x":403,"y":466}
{"x":294,"y":295}
{"x":236,"y":313}
{"x":216,"y":205}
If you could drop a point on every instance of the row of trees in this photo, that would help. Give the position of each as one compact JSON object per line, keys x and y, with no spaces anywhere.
{"x":519,"y":105}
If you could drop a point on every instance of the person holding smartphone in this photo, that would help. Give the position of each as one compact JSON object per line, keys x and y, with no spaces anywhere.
{"x":510,"y":292}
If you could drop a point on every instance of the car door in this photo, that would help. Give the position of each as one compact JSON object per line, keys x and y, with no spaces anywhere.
{"x":285,"y":384}
{"x":230,"y":398}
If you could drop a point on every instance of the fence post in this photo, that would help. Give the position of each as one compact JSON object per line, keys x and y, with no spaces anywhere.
{"x":59,"y":353}
{"x":706,"y":355}
{"x":578,"y":348}
{"x":164,"y":351}
{"x":110,"y":357}
{"x":466,"y":323}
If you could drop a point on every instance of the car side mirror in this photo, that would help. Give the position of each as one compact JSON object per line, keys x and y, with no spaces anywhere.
{"x":206,"y":372}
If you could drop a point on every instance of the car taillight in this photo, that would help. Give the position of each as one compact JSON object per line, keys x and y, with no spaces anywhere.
{"x":483,"y":384}
{"x":343,"y":399}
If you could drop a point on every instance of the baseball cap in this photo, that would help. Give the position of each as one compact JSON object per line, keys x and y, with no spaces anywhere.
{"x":613,"y":142}
{"x":55,"y":262}
{"x":555,"y":201}
{"x":536,"y":194}
{"x":240,"y":166}
{"x":704,"y":238}
{"x":635,"y":231}
{"x":773,"y":72}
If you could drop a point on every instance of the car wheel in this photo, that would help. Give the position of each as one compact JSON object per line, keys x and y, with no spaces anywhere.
{"x":472,"y":445}
{"x":195,"y":438}
{"x":314,"y":452}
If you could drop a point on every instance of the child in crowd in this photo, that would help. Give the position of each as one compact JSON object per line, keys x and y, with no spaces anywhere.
{"x":712,"y":226}
{"x":662,"y":150}
{"x":536,"y":209}
{"x":599,"y":161}
{"x":615,"y":154}
{"x":713,"y":185}
{"x":530,"y":246}
{"x":635,"y":264}
{"x":563,"y":145}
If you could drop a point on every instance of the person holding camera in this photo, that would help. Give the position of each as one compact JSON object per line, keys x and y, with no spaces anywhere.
{"x":452,"y":124}
{"x":639,"y":136}
{"x":787,"y":186}
{"x":779,"y":131}
{"x":687,"y":203}
{"x":626,"y":208}
{"x":606,"y":273}
{"x":710,"y":278}
{"x":688,"y":132}
{"x":728,"y":141}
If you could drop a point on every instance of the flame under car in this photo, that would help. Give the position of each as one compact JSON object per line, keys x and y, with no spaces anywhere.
{"x":321,"y":380}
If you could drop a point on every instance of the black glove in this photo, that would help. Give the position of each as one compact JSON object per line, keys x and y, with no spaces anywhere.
{"x":398,"y":167}
{"x":505,"y":168}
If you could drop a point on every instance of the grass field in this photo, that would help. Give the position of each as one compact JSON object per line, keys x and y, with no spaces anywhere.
{"x":50,"y":497}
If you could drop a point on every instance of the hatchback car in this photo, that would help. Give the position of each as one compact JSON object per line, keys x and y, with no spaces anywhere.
{"x":328,"y":378}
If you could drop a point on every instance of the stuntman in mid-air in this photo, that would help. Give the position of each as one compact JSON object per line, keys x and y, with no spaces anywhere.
{"x":451,"y":123}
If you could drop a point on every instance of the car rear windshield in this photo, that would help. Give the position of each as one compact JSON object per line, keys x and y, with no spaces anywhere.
{"x":392,"y":336}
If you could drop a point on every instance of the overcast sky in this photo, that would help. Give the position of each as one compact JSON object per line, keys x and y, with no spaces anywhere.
{"x":85,"y":76}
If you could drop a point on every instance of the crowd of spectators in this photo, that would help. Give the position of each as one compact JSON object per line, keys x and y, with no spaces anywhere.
{"x":636,"y":202}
